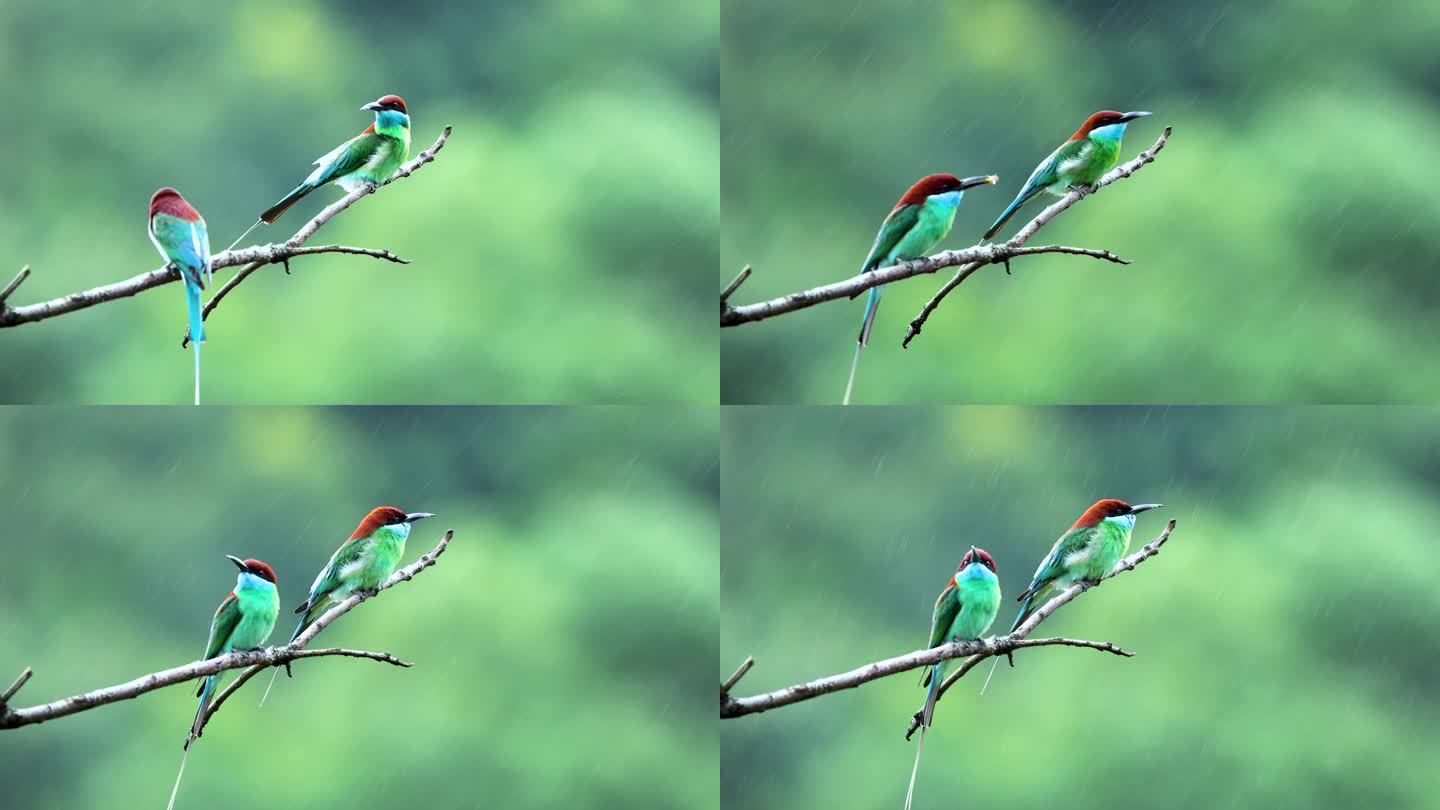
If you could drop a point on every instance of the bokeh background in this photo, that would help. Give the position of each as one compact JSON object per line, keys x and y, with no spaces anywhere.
{"x":1284,"y":638}
{"x":557,"y":242}
{"x":563,"y":645}
{"x":1283,"y":243}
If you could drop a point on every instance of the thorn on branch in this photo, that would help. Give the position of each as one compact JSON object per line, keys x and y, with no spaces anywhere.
{"x":14,"y":283}
{"x":734,"y":285}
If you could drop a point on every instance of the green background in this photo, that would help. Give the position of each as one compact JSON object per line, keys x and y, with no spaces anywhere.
{"x":1284,"y":637}
{"x":1284,"y":244}
{"x":557,"y":241}
{"x":563,"y":645}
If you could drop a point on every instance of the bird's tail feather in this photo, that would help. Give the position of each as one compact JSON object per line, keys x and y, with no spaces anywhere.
{"x":275,"y":211}
{"x":269,"y":686}
{"x":1010,"y":212}
{"x":871,"y":304}
{"x":176,"y":790}
{"x":206,"y":690}
{"x":243,"y":235}
{"x":937,"y":674}
{"x":914,"y":769}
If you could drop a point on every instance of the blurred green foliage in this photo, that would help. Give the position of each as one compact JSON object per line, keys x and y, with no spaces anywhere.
{"x":1284,"y":244}
{"x":563,"y":646}
{"x":1285,"y":636}
{"x":555,"y":241}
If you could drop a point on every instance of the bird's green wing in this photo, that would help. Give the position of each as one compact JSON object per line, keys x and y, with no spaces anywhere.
{"x":346,"y":158}
{"x":947,"y":607}
{"x":329,"y":577}
{"x":226,"y":617}
{"x":892,"y":230}
{"x":1054,"y":563}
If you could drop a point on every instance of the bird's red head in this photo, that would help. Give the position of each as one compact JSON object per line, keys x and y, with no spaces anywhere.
{"x":1105,"y":118}
{"x":168,"y":201}
{"x":260,"y":569}
{"x":1103,"y":508}
{"x":932,"y":184}
{"x":394,"y":103}
{"x":379,"y":516}
{"x":977,"y":555}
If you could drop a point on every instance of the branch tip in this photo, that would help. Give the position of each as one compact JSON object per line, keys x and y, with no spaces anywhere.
{"x":737,"y":675}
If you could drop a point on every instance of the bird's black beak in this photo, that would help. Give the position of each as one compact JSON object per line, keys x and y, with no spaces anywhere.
{"x":414,"y":516}
{"x":239,"y":563}
{"x":985,"y":180}
{"x":1144,"y":507}
{"x":1131,"y":116}
{"x":375,"y":106}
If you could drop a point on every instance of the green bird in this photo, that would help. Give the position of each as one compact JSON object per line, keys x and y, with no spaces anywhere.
{"x":917,"y":223}
{"x":1089,"y":550}
{"x":964,"y":611}
{"x":243,"y":621}
{"x":1079,"y":162}
{"x":369,"y":158}
{"x":362,"y":563}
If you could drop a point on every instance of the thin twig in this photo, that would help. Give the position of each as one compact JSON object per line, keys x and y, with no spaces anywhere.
{"x":14,"y":283}
{"x":15,"y":686}
{"x":736,"y":676}
{"x":734,"y":285}
{"x":1034,"y":225}
{"x":263,"y":254}
{"x":255,"y":660}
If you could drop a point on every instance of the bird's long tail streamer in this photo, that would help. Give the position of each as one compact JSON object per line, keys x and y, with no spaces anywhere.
{"x":910,"y":793}
{"x":243,"y":235}
{"x":853,"y":365}
{"x":273,"y":675}
{"x":175,"y":790}
{"x":994,"y":664}
{"x":197,"y":371}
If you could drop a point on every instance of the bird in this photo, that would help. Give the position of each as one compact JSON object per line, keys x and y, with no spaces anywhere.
{"x":178,"y":232}
{"x":915,"y":225}
{"x":1079,"y":162}
{"x":964,"y":611}
{"x":362,"y":563}
{"x":1086,"y":552}
{"x":369,"y":158}
{"x":244,"y":621}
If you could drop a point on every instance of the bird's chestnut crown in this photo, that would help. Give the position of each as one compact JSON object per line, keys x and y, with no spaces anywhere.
{"x":978,"y":555}
{"x":395,"y":103}
{"x":261,"y":569}
{"x":379,"y":516}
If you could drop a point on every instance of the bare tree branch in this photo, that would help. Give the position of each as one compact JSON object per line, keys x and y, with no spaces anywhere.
{"x":976,"y":651}
{"x":256,"y":255}
{"x":256,"y":660}
{"x":736,"y":676}
{"x":969,"y":259}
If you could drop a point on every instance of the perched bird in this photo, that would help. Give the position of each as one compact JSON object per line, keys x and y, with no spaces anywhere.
{"x":964,"y":611}
{"x":362,"y":563}
{"x":1078,"y":162}
{"x":1088,"y":551}
{"x":910,"y":231}
{"x":178,"y":232}
{"x":243,"y":621}
{"x":368,"y":158}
